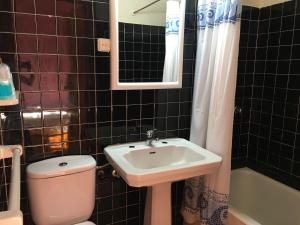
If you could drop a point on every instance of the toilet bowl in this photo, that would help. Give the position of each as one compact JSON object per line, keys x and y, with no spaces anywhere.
{"x":62,"y":190}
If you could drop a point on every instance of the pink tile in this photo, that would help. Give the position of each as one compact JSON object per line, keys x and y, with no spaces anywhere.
{"x":30,"y":82}
{"x":50,"y":100}
{"x":83,"y":9}
{"x":28,"y":63}
{"x":46,"y":25}
{"x":67,"y":45}
{"x":26,"y":43}
{"x":45,"y":7}
{"x":24,"y":6}
{"x":25,"y":23}
{"x":48,"y":63}
{"x":49,"y":81}
{"x":67,"y":64}
{"x":84,"y":28}
{"x":68,"y":81}
{"x":69,"y":99}
{"x":65,"y":8}
{"x":31,"y":100}
{"x":65,"y":26}
{"x":47,"y":44}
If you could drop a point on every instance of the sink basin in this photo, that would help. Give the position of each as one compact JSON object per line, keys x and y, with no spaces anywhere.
{"x":167,"y":160}
{"x":156,"y":167}
{"x":161,"y":157}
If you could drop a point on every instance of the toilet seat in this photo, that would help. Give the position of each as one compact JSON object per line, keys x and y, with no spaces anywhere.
{"x":85,"y":223}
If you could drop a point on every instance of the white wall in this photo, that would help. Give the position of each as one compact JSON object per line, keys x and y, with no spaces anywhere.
{"x":262,"y":3}
{"x":154,"y":15}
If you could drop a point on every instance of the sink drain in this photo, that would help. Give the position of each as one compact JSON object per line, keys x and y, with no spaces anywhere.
{"x":63,"y":164}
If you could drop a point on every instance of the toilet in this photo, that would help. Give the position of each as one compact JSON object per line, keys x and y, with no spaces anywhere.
{"x":62,"y":190}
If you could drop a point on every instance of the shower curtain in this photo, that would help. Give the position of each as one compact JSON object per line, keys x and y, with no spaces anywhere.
{"x":172,"y":41}
{"x":218,"y":22}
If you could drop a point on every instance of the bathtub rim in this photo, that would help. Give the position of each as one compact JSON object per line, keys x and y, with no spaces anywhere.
{"x":243,"y":217}
{"x":237,"y":214}
{"x":269,"y":179}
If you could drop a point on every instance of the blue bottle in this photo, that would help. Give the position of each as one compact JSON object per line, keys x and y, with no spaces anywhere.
{"x":7,"y":89}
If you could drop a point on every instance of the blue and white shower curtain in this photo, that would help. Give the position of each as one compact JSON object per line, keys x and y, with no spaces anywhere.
{"x":172,"y":40}
{"x":218,"y":21}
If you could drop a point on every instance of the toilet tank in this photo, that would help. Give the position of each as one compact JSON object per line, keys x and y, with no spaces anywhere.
{"x":62,"y":190}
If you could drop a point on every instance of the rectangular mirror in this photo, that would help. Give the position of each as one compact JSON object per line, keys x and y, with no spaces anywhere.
{"x":147,"y":40}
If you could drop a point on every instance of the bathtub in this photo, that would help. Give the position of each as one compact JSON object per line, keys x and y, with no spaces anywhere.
{"x":259,"y":200}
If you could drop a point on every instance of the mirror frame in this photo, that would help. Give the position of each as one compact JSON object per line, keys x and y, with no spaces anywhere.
{"x":114,"y":54}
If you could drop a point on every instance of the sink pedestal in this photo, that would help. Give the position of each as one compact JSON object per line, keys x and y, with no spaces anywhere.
{"x":158,"y":205}
{"x":156,"y":167}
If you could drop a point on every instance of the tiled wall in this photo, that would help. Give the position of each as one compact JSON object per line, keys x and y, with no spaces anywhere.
{"x":270,"y":78}
{"x":142,"y":52}
{"x":66,"y":105}
{"x":244,"y":86}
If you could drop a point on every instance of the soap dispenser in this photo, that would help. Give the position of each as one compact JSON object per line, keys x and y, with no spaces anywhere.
{"x":7,"y":89}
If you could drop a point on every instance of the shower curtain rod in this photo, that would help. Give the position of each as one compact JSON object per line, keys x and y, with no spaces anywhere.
{"x":146,"y":6}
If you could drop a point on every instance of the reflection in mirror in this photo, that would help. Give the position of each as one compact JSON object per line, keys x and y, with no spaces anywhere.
{"x":141,"y":41}
{"x":149,"y":43}
{"x":148,"y":40}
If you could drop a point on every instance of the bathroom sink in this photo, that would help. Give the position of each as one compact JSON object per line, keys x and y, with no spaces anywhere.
{"x":166,"y":160}
{"x":161,"y":157}
{"x":157,"y":166}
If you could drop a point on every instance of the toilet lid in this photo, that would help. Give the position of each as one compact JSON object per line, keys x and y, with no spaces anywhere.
{"x":85,"y":223}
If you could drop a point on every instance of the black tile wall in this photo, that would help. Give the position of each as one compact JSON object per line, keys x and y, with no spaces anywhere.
{"x":142,"y":52}
{"x":67,"y":106}
{"x":248,"y":35}
{"x":268,"y":92}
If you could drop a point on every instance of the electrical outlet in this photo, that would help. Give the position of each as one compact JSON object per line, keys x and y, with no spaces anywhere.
{"x":103,"y":45}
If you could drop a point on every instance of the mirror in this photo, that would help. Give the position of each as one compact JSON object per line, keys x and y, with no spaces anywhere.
{"x":147,"y":40}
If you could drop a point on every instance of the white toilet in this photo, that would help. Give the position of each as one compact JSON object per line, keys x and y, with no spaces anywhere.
{"x":62,"y":190}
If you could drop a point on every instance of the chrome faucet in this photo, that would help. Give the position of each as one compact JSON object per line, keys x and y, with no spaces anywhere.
{"x":151,"y":137}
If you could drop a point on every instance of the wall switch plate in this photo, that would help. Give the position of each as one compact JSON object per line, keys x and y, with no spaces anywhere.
{"x":103,"y":45}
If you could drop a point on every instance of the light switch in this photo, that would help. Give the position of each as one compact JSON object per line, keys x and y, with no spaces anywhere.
{"x":103,"y":45}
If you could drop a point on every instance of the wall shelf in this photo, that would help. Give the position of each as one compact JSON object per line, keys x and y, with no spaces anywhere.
{"x":13,"y":101}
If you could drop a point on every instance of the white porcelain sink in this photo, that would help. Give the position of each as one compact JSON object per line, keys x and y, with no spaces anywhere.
{"x":157,"y":166}
{"x":167,"y":160}
{"x":150,"y":158}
